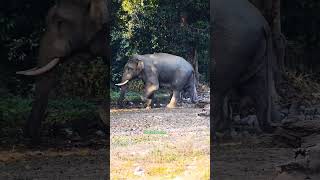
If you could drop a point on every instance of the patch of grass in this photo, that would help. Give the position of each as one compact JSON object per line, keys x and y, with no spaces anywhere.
{"x":154,"y":132}
{"x":161,"y":158}
{"x":168,"y":172}
{"x":131,"y":140}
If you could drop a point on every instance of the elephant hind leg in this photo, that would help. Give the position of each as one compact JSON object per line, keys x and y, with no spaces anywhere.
{"x":258,"y":90}
{"x":222,"y":113}
{"x":174,"y":99}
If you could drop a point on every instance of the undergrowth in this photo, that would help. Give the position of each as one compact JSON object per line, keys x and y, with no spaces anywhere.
{"x":300,"y":88}
{"x":14,"y":111}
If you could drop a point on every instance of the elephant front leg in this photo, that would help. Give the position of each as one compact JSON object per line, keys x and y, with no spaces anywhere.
{"x":174,"y":99}
{"x":149,"y":93}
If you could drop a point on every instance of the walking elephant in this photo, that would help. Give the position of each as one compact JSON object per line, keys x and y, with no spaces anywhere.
{"x":243,"y":59}
{"x":160,"y":69}
{"x":74,"y":28}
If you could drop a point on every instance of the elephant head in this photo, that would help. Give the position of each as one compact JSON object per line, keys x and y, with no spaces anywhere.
{"x":73,"y":27}
{"x":133,"y":69}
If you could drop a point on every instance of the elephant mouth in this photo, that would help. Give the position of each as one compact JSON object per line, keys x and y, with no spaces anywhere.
{"x":123,"y":83}
{"x":40,"y":70}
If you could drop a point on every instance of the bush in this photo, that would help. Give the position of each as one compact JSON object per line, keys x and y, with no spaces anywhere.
{"x":14,"y":111}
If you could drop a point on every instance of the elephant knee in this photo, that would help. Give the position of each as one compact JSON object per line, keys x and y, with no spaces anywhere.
{"x":152,"y":88}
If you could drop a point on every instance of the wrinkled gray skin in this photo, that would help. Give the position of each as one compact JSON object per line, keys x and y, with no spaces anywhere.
{"x":160,"y":69}
{"x":243,"y":57}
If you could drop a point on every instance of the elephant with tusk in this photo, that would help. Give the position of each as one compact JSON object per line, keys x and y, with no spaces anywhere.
{"x":74,"y":29}
{"x":160,"y":69}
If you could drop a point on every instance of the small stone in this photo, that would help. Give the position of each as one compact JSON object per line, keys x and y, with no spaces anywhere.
{"x":100,"y":133}
{"x":138,"y":171}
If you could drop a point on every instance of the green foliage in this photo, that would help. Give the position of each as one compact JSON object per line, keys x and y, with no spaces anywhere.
{"x":155,"y":26}
{"x":140,"y":26}
{"x":136,"y":85}
{"x":130,"y":96}
{"x":83,"y":78}
{"x":14,"y":111}
{"x":135,"y":96}
{"x":67,"y":110}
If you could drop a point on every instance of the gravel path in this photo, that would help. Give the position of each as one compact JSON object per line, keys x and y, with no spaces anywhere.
{"x":137,"y":121}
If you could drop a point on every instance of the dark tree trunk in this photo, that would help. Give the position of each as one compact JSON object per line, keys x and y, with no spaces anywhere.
{"x":271,"y":10}
{"x":194,"y":62}
{"x":192,"y":54}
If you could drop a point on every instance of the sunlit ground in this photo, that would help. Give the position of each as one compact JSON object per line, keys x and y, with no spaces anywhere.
{"x":161,"y":156}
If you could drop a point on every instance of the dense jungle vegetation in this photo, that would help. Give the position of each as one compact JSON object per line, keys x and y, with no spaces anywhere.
{"x":138,"y":26}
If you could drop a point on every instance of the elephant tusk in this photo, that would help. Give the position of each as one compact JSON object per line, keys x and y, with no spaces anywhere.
{"x":123,"y":83}
{"x":30,"y":69}
{"x":38,"y":71}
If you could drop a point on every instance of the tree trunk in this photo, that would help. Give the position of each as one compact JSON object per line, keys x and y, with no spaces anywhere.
{"x":271,"y":10}
{"x":193,"y":54}
{"x":195,"y":64}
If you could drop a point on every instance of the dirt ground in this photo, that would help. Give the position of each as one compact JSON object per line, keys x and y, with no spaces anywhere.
{"x":53,"y":164}
{"x":152,"y":144}
{"x":183,"y":136}
{"x":248,"y":160}
{"x":159,"y":144}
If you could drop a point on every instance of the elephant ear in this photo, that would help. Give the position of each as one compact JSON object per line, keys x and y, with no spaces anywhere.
{"x":140,"y":65}
{"x":138,"y":59}
{"x":98,"y":13}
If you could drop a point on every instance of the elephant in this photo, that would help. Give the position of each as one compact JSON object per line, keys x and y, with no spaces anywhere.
{"x":160,"y":70}
{"x":242,"y":50}
{"x":74,"y":29}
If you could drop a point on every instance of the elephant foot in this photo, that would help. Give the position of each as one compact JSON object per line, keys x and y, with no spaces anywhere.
{"x":171,"y":106}
{"x":148,"y":108}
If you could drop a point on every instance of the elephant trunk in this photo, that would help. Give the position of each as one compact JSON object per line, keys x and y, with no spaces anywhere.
{"x":122,"y":94}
